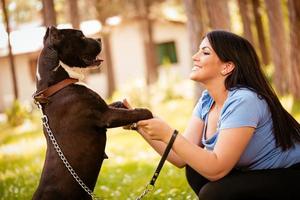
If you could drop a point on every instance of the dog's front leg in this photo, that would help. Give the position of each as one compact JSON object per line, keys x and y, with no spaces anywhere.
{"x":116,"y":117}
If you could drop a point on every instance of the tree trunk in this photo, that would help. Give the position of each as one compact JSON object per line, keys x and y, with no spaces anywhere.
{"x":195,"y":23}
{"x":260,"y":33}
{"x":218,"y":14}
{"x":196,"y":29}
{"x":278,"y":45}
{"x":49,"y":14}
{"x":246,"y":19}
{"x":149,"y":47}
{"x":11,"y":56}
{"x":74,"y":13}
{"x":294,"y":16}
{"x":104,"y":9}
{"x":108,"y":61}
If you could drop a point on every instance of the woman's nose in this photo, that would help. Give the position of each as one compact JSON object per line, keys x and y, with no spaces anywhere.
{"x":196,"y":56}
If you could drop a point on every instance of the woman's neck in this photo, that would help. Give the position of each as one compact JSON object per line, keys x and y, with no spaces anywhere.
{"x":218,"y":93}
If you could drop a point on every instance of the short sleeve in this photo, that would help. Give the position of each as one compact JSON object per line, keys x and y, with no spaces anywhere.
{"x":243,"y":109}
{"x":202,"y":106}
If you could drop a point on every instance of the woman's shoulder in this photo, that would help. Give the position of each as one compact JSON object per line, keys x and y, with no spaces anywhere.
{"x":205,"y":99}
{"x":202,"y":106}
{"x":244,"y":94}
{"x":246,"y":97}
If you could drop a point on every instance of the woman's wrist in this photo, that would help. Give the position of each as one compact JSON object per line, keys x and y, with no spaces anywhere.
{"x":172,"y":136}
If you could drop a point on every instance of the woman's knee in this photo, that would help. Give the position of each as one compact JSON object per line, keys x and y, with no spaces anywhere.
{"x":208,"y":192}
{"x":215,"y":191}
{"x":195,"y":180}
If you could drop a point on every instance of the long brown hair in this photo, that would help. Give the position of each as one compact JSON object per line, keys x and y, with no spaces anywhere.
{"x":248,"y":73}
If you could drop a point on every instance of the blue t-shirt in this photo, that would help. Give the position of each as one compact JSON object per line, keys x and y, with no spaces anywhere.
{"x":244,"y":108}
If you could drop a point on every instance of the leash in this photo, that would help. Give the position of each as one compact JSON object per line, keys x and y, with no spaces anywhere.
{"x":42,"y":98}
{"x":62,"y":156}
{"x":151,"y":184}
{"x":149,"y":187}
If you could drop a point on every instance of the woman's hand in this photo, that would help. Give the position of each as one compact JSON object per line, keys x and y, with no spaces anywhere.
{"x":156,"y":129}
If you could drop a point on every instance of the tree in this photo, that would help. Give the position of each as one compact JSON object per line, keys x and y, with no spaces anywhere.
{"x":260,"y":32}
{"x":74,"y":13}
{"x":294,"y":16}
{"x":104,"y":10}
{"x":278,"y":45}
{"x":246,"y":19}
{"x":218,"y":14}
{"x":11,"y":57}
{"x":23,"y":11}
{"x":143,"y":8}
{"x":196,"y":28}
{"x":49,"y":14}
{"x":194,"y":10}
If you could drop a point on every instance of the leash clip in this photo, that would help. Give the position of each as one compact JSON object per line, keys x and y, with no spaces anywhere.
{"x":148,"y":189}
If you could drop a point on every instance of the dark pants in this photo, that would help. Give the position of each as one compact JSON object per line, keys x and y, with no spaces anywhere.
{"x":269,"y":184}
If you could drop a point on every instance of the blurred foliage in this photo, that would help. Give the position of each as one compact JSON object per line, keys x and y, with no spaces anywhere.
{"x":170,"y":86}
{"x":21,"y":11}
{"x":17,"y":114}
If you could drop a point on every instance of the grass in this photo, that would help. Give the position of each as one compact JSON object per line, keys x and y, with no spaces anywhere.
{"x":124,"y":175}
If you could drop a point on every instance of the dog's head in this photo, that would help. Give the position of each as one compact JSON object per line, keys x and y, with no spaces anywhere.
{"x":73,"y":48}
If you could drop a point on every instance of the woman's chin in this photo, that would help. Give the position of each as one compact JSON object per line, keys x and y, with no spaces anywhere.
{"x":194,"y":77}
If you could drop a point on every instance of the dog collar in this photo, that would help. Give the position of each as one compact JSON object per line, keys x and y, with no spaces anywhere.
{"x":42,"y":96}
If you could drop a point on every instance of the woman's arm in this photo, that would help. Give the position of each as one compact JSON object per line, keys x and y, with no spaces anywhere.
{"x":214,"y":164}
{"x":217,"y":163}
{"x":192,"y":134}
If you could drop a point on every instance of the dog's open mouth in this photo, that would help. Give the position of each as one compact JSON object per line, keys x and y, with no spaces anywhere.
{"x":92,"y":62}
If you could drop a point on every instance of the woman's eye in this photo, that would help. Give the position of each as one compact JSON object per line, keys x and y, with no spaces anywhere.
{"x":205,"y":53}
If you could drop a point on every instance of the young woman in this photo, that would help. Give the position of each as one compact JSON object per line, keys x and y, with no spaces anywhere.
{"x":240,"y":142}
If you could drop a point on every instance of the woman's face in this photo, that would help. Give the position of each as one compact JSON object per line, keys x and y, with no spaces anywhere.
{"x":207,"y":65}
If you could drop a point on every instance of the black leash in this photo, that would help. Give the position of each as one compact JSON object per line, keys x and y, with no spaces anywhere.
{"x":151,"y":186}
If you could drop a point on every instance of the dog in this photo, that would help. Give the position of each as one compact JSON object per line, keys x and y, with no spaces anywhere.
{"x":78,"y":117}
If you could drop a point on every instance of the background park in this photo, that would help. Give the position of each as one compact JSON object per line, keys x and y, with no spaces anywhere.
{"x":147,"y":49}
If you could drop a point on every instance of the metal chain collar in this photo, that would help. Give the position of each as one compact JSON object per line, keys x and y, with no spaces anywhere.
{"x":62,"y":156}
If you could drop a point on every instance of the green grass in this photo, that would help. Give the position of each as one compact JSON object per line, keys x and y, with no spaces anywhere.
{"x":124,"y":175}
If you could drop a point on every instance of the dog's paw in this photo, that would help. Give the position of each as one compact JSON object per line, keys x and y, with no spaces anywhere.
{"x":144,"y":113}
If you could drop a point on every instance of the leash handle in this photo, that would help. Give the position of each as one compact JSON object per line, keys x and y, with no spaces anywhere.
{"x":163,"y":158}
{"x":151,"y":186}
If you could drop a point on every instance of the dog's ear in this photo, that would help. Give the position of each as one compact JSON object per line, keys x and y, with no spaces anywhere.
{"x":52,"y":36}
{"x":55,"y":36}
{"x":46,"y":35}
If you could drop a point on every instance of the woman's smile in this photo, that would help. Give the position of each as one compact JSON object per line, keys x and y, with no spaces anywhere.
{"x":196,"y":68}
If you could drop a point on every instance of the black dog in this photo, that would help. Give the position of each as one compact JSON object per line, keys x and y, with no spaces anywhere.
{"x":78,"y":117}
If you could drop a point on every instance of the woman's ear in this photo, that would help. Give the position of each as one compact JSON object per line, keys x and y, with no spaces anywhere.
{"x":228,"y":67}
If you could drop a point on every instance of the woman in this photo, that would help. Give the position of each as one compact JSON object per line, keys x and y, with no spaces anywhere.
{"x":240,"y":142}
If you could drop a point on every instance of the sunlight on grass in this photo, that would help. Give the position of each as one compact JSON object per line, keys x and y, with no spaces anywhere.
{"x":23,"y":147}
{"x":124,"y":175}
